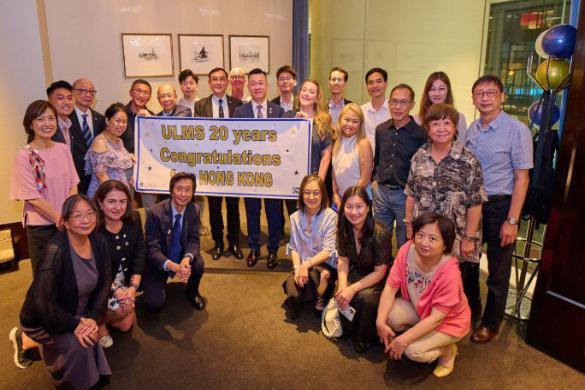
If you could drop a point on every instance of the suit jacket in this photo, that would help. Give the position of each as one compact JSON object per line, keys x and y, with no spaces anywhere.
{"x":128,"y":136}
{"x":79,"y":147}
{"x":204,"y":108}
{"x":247,"y":110}
{"x":159,"y":226}
{"x":180,"y":111}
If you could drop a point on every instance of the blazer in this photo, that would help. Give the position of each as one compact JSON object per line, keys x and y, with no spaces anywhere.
{"x":204,"y":108}
{"x":247,"y":110}
{"x":51,"y":301}
{"x":180,"y":111}
{"x":128,"y":136}
{"x":159,"y":226}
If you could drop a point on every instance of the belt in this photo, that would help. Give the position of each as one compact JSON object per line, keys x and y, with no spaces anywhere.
{"x":499,"y":198}
{"x":393,"y":186}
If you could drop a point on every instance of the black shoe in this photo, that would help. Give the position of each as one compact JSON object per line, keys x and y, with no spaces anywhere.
{"x":216,"y":252}
{"x":20,"y":360}
{"x":360,"y":346}
{"x":198,"y":302}
{"x":293,"y":309}
{"x":252,"y":258}
{"x":236,"y":251}
{"x":272,"y":260}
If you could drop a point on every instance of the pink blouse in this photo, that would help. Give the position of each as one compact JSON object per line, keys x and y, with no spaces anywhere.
{"x":60,"y":177}
{"x":444,"y":293}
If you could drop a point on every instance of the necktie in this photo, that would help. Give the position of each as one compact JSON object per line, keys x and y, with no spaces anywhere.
{"x":260,"y":111}
{"x":221,"y":114}
{"x":86,"y":130}
{"x":175,"y":246}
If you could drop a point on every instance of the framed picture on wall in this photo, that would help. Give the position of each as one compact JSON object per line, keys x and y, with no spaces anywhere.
{"x":200,"y":53}
{"x":249,"y":52}
{"x":147,"y":55}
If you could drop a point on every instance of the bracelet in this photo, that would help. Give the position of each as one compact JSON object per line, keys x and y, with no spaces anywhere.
{"x":295,"y":267}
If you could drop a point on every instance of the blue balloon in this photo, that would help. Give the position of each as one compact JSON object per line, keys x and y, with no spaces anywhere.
{"x":559,"y":41}
{"x":535,"y":113}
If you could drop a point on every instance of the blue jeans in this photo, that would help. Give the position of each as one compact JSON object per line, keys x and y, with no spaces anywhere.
{"x":390,"y":206}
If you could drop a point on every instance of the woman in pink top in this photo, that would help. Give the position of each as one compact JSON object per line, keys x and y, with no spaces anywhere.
{"x":43,"y":176}
{"x":431,"y":310}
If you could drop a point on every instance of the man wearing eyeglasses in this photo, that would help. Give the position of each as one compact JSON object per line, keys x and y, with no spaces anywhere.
{"x":397,"y":140}
{"x":503,"y":146}
{"x":140,"y":92}
{"x":167,"y":98}
{"x":286,"y":78}
{"x":221,"y":105}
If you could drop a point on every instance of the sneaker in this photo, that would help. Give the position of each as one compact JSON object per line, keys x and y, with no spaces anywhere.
{"x":19,"y":354}
{"x":106,"y":341}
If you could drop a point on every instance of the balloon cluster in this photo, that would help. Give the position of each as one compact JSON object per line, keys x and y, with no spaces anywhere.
{"x":555,"y":45}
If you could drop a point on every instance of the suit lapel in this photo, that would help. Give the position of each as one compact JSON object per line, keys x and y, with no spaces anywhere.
{"x":167,"y":223}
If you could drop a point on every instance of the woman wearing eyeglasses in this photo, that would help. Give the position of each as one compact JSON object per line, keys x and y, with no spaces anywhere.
{"x":438,"y":90}
{"x":107,"y":158}
{"x":67,"y":297}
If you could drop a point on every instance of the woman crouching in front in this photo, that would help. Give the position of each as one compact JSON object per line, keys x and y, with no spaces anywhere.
{"x":68,"y":295}
{"x":432,"y":309}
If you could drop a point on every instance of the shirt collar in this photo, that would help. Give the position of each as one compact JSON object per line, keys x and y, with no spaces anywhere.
{"x":175,"y":212}
{"x":493,"y":124}
{"x":334,"y":105}
{"x":455,"y":152}
{"x":64,"y":123}
{"x":370,"y":107}
{"x":215,"y":99}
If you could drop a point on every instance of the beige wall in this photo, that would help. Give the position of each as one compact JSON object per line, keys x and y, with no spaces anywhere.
{"x":47,"y":40}
{"x":410,"y":39}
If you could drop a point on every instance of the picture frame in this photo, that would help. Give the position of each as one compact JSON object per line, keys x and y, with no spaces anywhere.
{"x":147,"y":55}
{"x":250,"y":51}
{"x":201,"y":52}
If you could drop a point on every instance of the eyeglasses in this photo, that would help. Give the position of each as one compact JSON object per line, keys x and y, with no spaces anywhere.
{"x":489,"y":93}
{"x":77,"y":217}
{"x":166,"y":96}
{"x":216,"y":79}
{"x":285,"y":78}
{"x":237,"y":77}
{"x":85,"y":91}
{"x":180,"y":189}
{"x":314,"y":194}
{"x":395,"y":102}
{"x":144,"y":92}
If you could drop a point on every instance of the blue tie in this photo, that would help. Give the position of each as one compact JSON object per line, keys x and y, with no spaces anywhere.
{"x":86,"y":130}
{"x":175,"y":247}
{"x":221,"y":114}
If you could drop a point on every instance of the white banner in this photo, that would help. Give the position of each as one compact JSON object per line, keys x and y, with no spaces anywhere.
{"x":230,"y":157}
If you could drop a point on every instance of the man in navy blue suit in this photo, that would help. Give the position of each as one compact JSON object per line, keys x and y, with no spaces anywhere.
{"x":172,"y":237}
{"x":259,"y":108}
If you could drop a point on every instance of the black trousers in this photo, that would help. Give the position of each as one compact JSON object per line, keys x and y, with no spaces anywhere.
{"x":499,"y":262}
{"x":154,"y":283}
{"x":216,"y":219}
{"x":36,"y":238}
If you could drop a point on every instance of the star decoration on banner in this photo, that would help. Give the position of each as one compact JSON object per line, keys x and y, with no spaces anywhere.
{"x":296,"y":173}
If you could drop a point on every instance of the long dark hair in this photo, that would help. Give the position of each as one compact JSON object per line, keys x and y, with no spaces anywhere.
{"x":101,"y":193}
{"x":344,"y":227}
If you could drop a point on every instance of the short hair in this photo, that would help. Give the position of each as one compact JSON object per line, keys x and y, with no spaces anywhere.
{"x":141,"y":81}
{"x":180,"y":176}
{"x":313,"y":178}
{"x":59,"y":84}
{"x":488,"y":79}
{"x":70,"y":204}
{"x":104,"y":189}
{"x":33,"y":111}
{"x":344,"y":227}
{"x":404,"y":86}
{"x":186,"y":73}
{"x":256,"y":71}
{"x":341,"y":70}
{"x":113,"y":109}
{"x":217,"y":69}
{"x":376,"y":70}
{"x":286,"y":69}
{"x":440,"y":111}
{"x":446,"y":227}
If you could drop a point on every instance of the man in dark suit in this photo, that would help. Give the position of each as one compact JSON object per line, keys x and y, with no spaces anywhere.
{"x":259,"y":108}
{"x":167,"y":97}
{"x":221,"y":105}
{"x":286,"y":78}
{"x":172,"y":236}
{"x":85,"y":121}
{"x":60,"y":94}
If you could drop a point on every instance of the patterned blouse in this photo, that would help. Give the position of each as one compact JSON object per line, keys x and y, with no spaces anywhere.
{"x":449,"y":188}
{"x":115,"y":162}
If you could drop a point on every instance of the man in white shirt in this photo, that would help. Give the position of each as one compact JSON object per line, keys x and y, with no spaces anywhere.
{"x":376,"y":111}
{"x":337,"y":82}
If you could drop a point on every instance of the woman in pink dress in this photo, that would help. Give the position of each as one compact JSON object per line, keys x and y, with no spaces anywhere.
{"x":43,"y":176}
{"x":432,"y":311}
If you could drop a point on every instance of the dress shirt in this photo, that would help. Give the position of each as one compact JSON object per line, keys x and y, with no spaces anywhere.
{"x":394,"y":149}
{"x":215,"y":106}
{"x":190,"y":105}
{"x":264,"y":108}
{"x":65,"y":126}
{"x":335,"y":109}
{"x":373,"y":118}
{"x":287,"y":106}
{"x":89,"y":119}
{"x":174,"y":212}
{"x":502,"y":147}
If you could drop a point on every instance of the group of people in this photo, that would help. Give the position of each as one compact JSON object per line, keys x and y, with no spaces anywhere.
{"x":444,"y":188}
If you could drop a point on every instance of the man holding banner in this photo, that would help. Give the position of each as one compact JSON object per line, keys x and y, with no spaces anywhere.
{"x":221,"y":105}
{"x":260,"y":108}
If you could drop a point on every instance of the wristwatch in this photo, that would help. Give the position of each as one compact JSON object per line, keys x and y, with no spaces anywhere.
{"x":473,"y":238}
{"x":512,"y":221}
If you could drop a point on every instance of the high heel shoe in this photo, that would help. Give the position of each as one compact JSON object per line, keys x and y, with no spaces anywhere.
{"x":442,"y":371}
